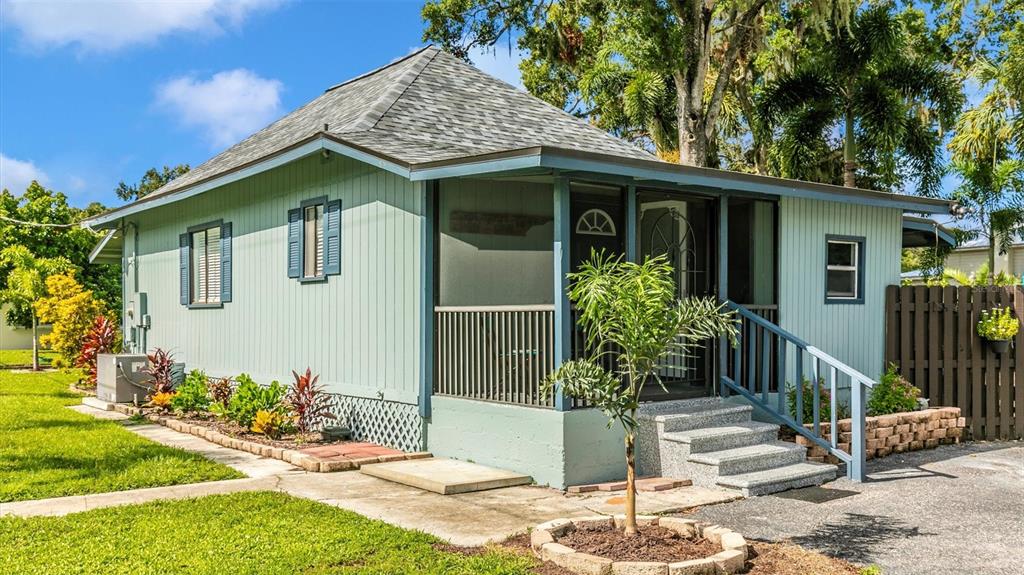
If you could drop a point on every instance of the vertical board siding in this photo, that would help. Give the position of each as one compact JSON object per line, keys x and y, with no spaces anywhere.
{"x":852,"y":333}
{"x":359,"y":329}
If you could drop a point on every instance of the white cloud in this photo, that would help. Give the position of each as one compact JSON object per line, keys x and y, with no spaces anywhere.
{"x":227,"y":107}
{"x":16,"y":175}
{"x":500,"y":63}
{"x":103,"y":26}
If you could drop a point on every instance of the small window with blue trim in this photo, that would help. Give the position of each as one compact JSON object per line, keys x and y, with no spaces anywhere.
{"x":314,"y":240}
{"x":844,"y":269}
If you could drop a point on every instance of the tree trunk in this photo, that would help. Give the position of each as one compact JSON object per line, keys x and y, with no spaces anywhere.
{"x":35,"y":343}
{"x":849,"y":153}
{"x":630,"y":519}
{"x":693,"y":142}
{"x":992,"y":239}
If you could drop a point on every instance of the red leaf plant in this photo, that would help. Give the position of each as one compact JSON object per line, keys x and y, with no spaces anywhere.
{"x":158,"y":368}
{"x":309,"y":401}
{"x":102,"y":338}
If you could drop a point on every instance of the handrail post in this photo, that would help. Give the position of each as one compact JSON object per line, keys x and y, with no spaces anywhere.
{"x":857,"y":415}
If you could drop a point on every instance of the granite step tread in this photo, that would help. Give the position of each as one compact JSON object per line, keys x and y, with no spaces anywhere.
{"x":746,"y":453}
{"x":717,"y":410}
{"x":780,"y":478}
{"x":744,"y":428}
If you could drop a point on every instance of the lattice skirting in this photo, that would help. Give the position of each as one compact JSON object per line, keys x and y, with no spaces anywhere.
{"x":389,"y":423}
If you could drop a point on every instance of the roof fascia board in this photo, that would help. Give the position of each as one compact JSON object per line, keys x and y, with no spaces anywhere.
{"x":312,"y":147}
{"x":492,"y":166}
{"x":728,"y":184}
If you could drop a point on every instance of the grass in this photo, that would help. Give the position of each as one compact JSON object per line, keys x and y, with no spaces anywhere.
{"x":23,"y":358}
{"x":241,"y":533}
{"x":47,"y":450}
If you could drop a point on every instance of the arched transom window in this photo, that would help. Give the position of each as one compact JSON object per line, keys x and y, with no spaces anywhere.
{"x":595,"y":222}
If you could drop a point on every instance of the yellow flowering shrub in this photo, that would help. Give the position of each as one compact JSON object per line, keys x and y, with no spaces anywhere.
{"x":70,"y":309}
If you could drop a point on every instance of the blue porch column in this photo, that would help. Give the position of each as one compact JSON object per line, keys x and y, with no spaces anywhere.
{"x":723,"y":285}
{"x":428,"y":195}
{"x":563,"y":314}
{"x":631,"y":221}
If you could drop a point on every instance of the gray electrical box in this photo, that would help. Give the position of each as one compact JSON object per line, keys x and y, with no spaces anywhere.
{"x":120,"y":378}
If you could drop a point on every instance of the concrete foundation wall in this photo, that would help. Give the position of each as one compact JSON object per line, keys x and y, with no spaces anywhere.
{"x":555,"y":448}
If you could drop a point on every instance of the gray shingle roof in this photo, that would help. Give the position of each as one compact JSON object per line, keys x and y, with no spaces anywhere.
{"x":426,"y":107}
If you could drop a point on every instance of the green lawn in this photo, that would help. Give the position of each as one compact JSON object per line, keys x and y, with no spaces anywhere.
{"x":242,"y":533}
{"x":47,"y":450}
{"x":23,"y":357}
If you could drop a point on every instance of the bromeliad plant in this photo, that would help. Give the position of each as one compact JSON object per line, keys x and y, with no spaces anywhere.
{"x":998,"y":324}
{"x":630,"y":314}
{"x":308,"y":401}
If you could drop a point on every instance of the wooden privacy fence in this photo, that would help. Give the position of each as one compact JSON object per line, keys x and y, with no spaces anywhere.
{"x":931,"y":334}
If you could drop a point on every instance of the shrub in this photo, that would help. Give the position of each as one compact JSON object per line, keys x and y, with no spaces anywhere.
{"x":102,"y":338}
{"x":220,"y":392}
{"x":997,"y":324}
{"x":161,"y":400}
{"x":824,"y":406}
{"x":250,"y":398}
{"x":271,"y":423}
{"x":309,"y":402}
{"x":71,"y":310}
{"x":892,"y":394}
{"x":192,"y":395}
{"x":158,"y":368}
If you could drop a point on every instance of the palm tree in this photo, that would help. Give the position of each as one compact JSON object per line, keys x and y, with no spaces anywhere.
{"x":867,"y":90}
{"x":634,"y":321}
{"x":993,"y":198}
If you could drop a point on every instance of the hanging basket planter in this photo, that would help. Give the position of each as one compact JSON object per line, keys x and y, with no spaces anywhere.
{"x":999,"y":346}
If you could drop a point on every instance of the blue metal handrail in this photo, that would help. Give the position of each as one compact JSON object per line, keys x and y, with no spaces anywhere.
{"x":768,"y":360}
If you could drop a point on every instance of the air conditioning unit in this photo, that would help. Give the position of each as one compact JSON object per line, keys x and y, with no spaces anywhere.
{"x":120,"y":378}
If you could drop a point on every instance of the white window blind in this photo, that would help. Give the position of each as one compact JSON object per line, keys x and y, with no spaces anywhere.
{"x":313,"y":241}
{"x":205,"y":263}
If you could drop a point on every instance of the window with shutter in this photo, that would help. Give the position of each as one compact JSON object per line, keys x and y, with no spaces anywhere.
{"x":314,"y":240}
{"x":206,"y":250}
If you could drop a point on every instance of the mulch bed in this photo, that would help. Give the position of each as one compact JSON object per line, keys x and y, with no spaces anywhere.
{"x":652,"y":543}
{"x":765,"y":559}
{"x":230,"y":428}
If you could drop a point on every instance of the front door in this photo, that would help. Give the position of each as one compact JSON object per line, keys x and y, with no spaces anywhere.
{"x":681,"y":228}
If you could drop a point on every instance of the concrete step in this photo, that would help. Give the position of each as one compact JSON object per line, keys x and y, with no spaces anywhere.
{"x":723,"y":437}
{"x":750,"y":458}
{"x":704,"y":416}
{"x":779,"y":479}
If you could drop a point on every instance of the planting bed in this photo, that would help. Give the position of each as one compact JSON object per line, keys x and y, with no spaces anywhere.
{"x":308,"y":452}
{"x":664,"y":546}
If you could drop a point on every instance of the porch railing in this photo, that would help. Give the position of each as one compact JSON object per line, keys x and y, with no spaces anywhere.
{"x":495,"y":353}
{"x":762,"y":355}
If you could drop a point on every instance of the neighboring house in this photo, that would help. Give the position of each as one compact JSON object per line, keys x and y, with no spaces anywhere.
{"x":973,"y":255}
{"x":13,"y":337}
{"x":407,"y":235}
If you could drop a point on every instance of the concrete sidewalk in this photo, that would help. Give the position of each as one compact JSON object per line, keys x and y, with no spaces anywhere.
{"x":956,"y":509}
{"x":463,"y":519}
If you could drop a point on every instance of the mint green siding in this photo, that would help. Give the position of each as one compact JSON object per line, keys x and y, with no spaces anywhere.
{"x":852,"y":333}
{"x":359,"y":329}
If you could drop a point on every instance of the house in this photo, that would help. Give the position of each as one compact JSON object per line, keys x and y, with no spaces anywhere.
{"x":407,"y":234}
{"x":15,"y":337}
{"x":971,"y":256}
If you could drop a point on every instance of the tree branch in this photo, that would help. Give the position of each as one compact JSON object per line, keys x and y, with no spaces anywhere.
{"x":739,"y":37}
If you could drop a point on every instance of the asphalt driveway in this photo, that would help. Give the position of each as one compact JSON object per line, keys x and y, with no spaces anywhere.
{"x":956,"y":509}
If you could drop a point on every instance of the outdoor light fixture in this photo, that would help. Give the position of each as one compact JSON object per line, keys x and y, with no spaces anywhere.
{"x":958,"y":210}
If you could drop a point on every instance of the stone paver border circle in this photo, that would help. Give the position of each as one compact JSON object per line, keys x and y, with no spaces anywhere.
{"x":731,"y":559}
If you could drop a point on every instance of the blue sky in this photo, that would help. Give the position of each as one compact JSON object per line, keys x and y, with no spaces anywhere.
{"x":92,"y":94}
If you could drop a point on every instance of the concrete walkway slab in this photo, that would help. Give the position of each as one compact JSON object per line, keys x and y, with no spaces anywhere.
{"x":96,"y":412}
{"x":951,"y":510}
{"x":245,"y":462}
{"x":445,"y":476}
